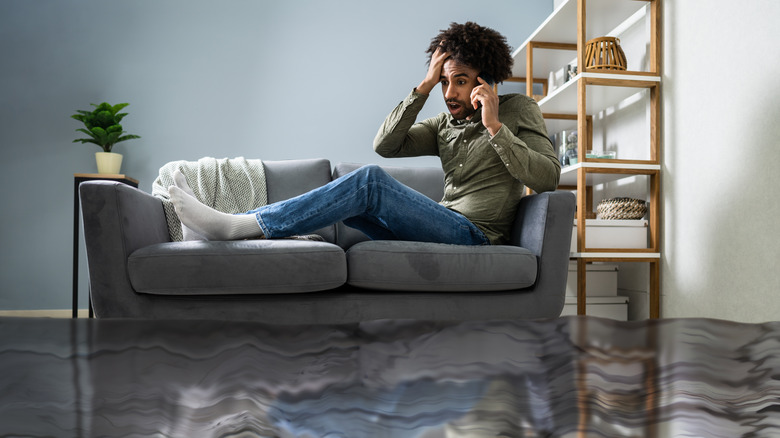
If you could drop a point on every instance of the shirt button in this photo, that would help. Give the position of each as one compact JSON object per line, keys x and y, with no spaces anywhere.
{"x":460,"y":165}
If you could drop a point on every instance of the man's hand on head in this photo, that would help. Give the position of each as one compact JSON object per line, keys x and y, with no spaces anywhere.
{"x":434,"y":71}
{"x":484,"y":94}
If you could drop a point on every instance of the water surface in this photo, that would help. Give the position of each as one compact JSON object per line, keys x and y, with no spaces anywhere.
{"x":568,"y":377}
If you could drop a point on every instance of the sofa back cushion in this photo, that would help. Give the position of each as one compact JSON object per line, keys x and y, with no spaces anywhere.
{"x":290,"y":178}
{"x":427,"y":180}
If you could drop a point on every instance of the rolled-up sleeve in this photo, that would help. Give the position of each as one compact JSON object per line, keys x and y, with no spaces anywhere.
{"x":400,"y":136}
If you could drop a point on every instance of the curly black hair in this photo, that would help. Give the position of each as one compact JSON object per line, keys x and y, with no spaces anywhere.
{"x":476,"y":46}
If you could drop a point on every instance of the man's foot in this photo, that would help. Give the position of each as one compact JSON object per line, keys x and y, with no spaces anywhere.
{"x":210,"y":223}
{"x":180,"y":181}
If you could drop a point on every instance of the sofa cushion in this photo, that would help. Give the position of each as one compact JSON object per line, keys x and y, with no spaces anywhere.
{"x":420,"y":266}
{"x":237,"y":267}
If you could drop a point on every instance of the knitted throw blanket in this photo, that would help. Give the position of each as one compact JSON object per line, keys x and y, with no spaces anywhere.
{"x":230,"y":185}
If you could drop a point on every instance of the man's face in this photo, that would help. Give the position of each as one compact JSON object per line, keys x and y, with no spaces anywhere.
{"x":457,"y":81}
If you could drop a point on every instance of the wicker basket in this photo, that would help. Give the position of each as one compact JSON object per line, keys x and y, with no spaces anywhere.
{"x":605,"y":54}
{"x":622,"y":208}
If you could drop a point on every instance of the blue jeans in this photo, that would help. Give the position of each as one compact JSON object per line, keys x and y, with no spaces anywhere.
{"x":373,"y":202}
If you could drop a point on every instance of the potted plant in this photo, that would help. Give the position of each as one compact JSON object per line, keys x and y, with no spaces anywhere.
{"x":104,"y":130}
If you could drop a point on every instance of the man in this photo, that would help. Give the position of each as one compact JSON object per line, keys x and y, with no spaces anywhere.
{"x":490,"y":147}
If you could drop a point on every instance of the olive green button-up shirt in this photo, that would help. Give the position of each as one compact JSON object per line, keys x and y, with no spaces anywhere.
{"x":484,"y":176}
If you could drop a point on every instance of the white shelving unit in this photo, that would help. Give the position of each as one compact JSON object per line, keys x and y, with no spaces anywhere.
{"x":564,"y":98}
{"x":559,"y":40}
{"x":604,"y":17}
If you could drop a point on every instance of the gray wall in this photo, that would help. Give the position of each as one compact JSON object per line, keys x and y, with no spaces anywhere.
{"x":260,"y":79}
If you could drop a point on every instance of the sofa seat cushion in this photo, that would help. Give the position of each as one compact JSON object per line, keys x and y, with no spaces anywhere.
{"x":237,"y":267}
{"x":436,"y":267}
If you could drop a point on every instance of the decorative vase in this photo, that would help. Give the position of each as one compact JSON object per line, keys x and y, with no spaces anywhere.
{"x":108,"y":162}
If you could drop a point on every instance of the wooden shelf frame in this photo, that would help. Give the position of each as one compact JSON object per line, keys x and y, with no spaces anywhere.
{"x":654,"y":289}
{"x":603,"y":91}
{"x":589,"y":92}
{"x":529,"y":85}
{"x":562,"y":28}
{"x":653,"y":213}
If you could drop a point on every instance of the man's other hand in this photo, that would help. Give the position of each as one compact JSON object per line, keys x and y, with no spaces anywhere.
{"x":434,"y":71}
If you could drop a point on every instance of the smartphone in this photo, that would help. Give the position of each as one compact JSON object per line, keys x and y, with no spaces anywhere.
{"x":487,"y":78}
{"x":490,"y":81}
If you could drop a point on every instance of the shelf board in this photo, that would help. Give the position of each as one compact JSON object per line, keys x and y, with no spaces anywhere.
{"x":603,"y":18}
{"x":563,"y":100}
{"x":626,"y":256}
{"x":569,"y":173}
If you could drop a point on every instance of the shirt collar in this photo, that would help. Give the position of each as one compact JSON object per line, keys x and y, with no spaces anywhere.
{"x":476,"y":118}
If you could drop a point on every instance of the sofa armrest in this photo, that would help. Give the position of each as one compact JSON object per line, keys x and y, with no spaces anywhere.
{"x":118,"y":219}
{"x":544,"y":226}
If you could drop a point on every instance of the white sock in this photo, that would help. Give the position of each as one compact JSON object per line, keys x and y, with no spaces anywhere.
{"x":180,"y":181}
{"x":210,"y":223}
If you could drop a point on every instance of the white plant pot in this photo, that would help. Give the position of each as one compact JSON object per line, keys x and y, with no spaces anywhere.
{"x":108,"y":162}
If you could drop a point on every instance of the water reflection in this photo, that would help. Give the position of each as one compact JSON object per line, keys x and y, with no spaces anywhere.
{"x":574,"y":376}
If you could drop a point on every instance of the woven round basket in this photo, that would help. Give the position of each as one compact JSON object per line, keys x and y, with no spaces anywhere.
{"x":605,"y":54}
{"x":622,"y":208}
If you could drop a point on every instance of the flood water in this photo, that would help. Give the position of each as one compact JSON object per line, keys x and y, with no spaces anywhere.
{"x":567,"y":377}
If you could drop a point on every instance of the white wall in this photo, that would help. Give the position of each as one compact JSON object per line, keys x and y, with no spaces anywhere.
{"x":256,"y":78}
{"x":721,"y":105}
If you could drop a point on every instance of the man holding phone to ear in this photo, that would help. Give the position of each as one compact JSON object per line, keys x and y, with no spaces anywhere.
{"x":490,"y":147}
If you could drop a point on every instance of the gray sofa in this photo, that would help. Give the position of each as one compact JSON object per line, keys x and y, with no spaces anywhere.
{"x":137,"y":272}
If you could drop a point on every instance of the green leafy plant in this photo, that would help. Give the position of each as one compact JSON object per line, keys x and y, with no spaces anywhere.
{"x":103,"y":126}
